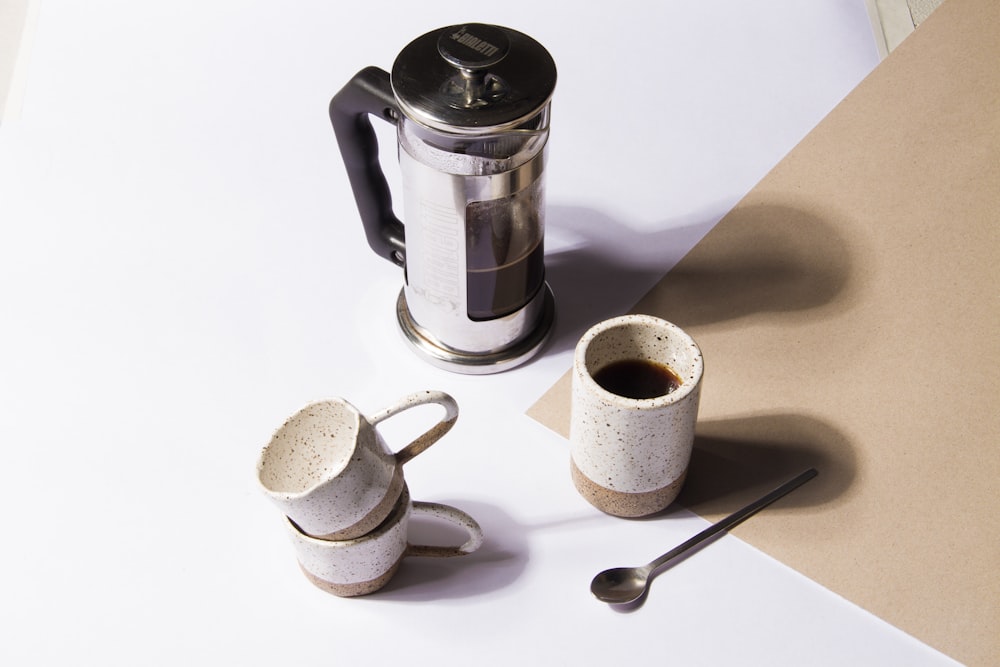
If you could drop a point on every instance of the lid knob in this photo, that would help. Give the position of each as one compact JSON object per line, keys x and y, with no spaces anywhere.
{"x":473,"y":78}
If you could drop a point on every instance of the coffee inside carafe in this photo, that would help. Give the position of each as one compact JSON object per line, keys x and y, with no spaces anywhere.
{"x":504,"y":253}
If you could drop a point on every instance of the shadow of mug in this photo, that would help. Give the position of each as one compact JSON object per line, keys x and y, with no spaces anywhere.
{"x":739,"y":459}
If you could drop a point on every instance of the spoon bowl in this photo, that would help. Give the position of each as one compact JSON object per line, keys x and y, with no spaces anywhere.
{"x":620,"y":585}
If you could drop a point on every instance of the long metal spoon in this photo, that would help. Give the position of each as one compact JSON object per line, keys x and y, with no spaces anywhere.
{"x":621,"y":585}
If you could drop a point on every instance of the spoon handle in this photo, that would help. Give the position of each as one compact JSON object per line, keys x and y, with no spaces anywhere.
{"x":735,"y":518}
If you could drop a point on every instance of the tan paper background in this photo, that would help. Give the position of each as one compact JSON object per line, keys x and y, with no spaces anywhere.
{"x":849,"y":313}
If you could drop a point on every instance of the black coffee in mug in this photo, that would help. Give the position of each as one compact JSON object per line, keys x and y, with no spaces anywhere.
{"x":637,"y":378}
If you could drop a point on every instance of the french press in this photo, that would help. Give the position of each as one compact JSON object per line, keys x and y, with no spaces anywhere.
{"x":471,"y":108}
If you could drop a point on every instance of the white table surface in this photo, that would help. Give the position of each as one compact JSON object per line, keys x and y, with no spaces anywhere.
{"x":182,"y":266}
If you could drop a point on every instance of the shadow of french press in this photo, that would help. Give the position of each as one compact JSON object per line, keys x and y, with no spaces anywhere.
{"x":609,"y":269}
{"x":772,"y":261}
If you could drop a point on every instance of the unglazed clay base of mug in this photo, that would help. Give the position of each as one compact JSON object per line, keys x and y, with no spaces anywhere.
{"x":355,"y":589}
{"x":378,"y":513}
{"x":628,"y":505}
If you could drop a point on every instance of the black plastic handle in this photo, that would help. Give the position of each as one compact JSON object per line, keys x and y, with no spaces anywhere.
{"x":369,"y":93}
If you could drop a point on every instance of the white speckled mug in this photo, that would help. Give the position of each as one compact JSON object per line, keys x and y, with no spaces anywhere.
{"x":631,"y":444}
{"x":331,"y":472}
{"x":365,"y":564}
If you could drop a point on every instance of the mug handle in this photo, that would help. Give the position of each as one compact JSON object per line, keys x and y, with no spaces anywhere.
{"x":434,"y":433}
{"x":452,"y":515}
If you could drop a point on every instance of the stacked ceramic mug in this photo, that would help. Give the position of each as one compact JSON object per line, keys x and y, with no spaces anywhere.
{"x":342,"y":492}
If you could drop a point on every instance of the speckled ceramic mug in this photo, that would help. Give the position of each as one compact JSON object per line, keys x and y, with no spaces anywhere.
{"x":365,"y":564}
{"x":630,"y":451}
{"x":331,"y":472}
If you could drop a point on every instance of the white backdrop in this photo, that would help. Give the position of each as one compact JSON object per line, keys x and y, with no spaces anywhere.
{"x":182,"y":266}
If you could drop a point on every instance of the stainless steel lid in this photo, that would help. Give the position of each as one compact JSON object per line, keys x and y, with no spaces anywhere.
{"x":473,"y":78}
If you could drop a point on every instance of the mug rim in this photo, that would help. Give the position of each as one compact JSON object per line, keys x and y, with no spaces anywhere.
{"x":620,"y":322}
{"x":331,"y":474}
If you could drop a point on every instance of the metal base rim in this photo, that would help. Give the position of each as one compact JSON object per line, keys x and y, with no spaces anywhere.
{"x":472,"y":363}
